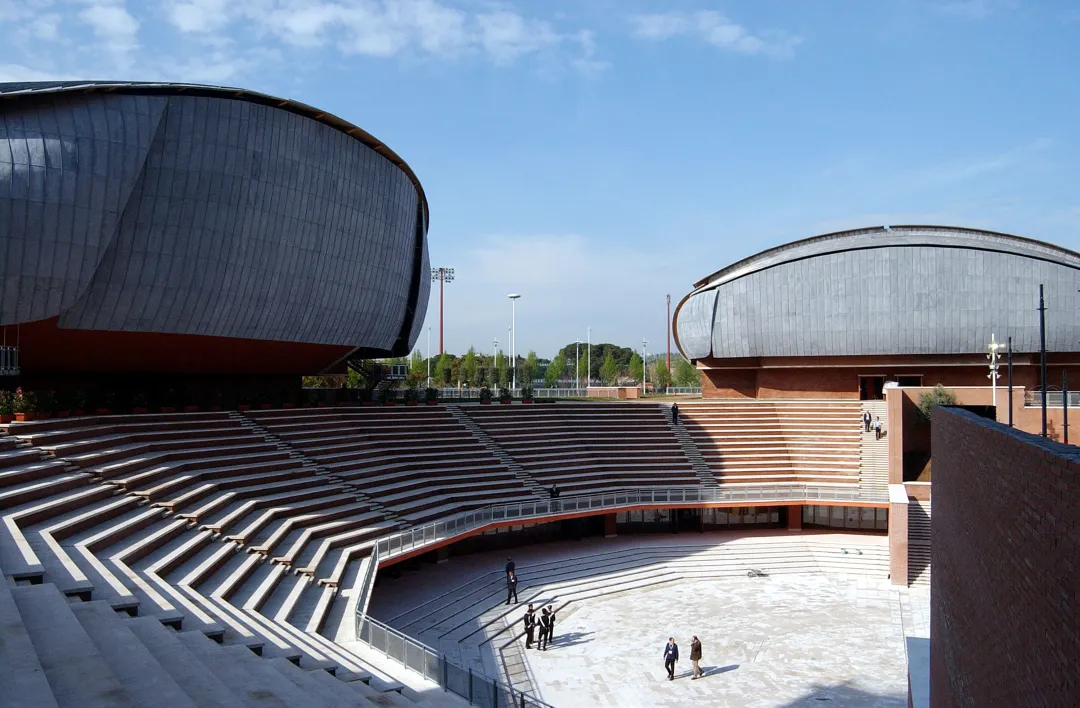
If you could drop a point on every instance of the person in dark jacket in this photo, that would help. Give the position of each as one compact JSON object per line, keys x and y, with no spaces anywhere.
{"x":554,"y":492}
{"x":509,"y":566}
{"x":867,"y":419}
{"x":551,"y":622}
{"x":545,"y":629}
{"x":511,"y":587}
{"x":674,"y":413}
{"x":671,"y":655}
{"x":695,"y":657}
{"x":530,"y":627}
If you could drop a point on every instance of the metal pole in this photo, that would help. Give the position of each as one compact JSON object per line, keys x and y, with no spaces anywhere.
{"x":441,"y":272}
{"x":669,"y":333}
{"x":513,"y":340}
{"x":588,"y":359}
{"x":577,"y":364}
{"x":1010,"y":385}
{"x":1065,"y":405}
{"x":643,"y":369}
{"x":429,"y":356}
{"x":1042,"y":354}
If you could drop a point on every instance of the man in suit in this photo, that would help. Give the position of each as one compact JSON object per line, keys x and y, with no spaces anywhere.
{"x":551,"y":621}
{"x":671,"y":655}
{"x":545,"y":629}
{"x":674,"y":413}
{"x":510,"y":566}
{"x":530,"y":627}
{"x":511,"y":587}
{"x":866,"y":420}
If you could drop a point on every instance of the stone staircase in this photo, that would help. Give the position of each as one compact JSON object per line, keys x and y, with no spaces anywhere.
{"x":693,"y":454}
{"x":320,"y":470}
{"x":918,"y":543}
{"x":498,"y":451}
{"x":874,"y":453}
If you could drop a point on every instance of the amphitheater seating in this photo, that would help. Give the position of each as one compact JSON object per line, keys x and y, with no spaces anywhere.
{"x":763,"y":441}
{"x":199,"y":521}
{"x":418,"y":462}
{"x":588,"y":447}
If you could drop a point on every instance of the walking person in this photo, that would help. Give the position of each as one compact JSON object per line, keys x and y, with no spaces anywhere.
{"x":511,"y":587}
{"x":877,"y":428}
{"x":866,"y":419}
{"x":530,"y":627}
{"x":695,"y":657}
{"x":510,"y":566}
{"x":551,"y":622}
{"x":554,"y":492}
{"x":671,"y":656}
{"x":545,"y":629}
{"x":674,"y":413}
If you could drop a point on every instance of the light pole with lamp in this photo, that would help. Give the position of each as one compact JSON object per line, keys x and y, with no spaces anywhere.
{"x":577,"y":363}
{"x":513,"y":338}
{"x":588,"y":359}
{"x":495,"y":342}
{"x":429,"y":356}
{"x":443,"y":275}
{"x":643,"y":366}
{"x":993,"y":375}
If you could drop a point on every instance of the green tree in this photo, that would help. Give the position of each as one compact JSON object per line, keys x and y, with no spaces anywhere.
{"x":442,"y":370}
{"x":528,"y":369}
{"x":555,"y":371}
{"x":634,"y":368}
{"x":468,"y":368}
{"x":609,"y":370}
{"x":661,"y":375}
{"x":417,"y":364}
{"x":353,"y":379}
{"x":937,"y":396}
{"x":686,"y":374}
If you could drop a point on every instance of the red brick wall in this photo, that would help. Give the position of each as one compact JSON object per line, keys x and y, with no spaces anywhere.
{"x":1005,"y":596}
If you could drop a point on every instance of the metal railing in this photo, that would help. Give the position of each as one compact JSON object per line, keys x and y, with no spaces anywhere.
{"x":1053,"y":398}
{"x":9,"y":361}
{"x":368,"y":586}
{"x":560,"y":393}
{"x":683,"y":390}
{"x":473,"y":686}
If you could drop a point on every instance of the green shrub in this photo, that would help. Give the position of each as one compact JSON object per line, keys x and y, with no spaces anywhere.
{"x":431,"y":394}
{"x":485,"y":394}
{"x":937,"y":396}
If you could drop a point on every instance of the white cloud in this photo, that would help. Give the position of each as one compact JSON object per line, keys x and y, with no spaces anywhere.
{"x":507,"y":35}
{"x":113,"y":24}
{"x":45,"y":26}
{"x":20,"y":73}
{"x":716,"y":29}
{"x":200,"y":16}
{"x":975,"y":9}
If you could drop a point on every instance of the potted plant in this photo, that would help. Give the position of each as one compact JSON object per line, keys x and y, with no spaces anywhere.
{"x":431,"y":395}
{"x":24,"y":404}
{"x":63,"y":403}
{"x":138,"y":403}
{"x":506,"y":396}
{"x":82,"y":402}
{"x":485,"y":395}
{"x":168,"y":404}
{"x":215,"y":400}
{"x":312,"y":398}
{"x":105,"y":402}
{"x":367,"y":397}
{"x":526,"y":394}
{"x":7,"y":406}
{"x":412,"y":397}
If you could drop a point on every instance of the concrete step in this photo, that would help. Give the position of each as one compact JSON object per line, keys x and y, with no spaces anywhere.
{"x":78,"y":674}
{"x":23,"y":681}
{"x":142,"y":676}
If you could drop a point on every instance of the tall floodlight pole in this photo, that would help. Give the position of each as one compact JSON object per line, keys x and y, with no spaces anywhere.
{"x":1042,"y":355}
{"x":577,"y":363}
{"x":429,"y":356}
{"x":669,"y":333}
{"x":1065,"y":404}
{"x":513,"y":337}
{"x":443,"y":275}
{"x":993,"y":375}
{"x":643,"y":366}
{"x":1010,"y":384}
{"x":588,"y":359}
{"x":495,"y":342}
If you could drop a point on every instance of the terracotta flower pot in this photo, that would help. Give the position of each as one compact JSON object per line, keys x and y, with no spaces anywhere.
{"x":288,"y":405}
{"x":412,"y":403}
{"x":24,"y":417}
{"x":138,"y":410}
{"x":528,"y":400}
{"x":102,"y":411}
{"x":432,"y":403}
{"x":321,"y":404}
{"x":63,"y":414}
{"x":79,"y":411}
{"x":243,"y":407}
{"x":215,"y":408}
{"x":7,"y":418}
{"x":389,"y":403}
{"x":485,"y":403}
{"x":191,"y":409}
{"x":342,"y":404}
{"x":266,"y":406}
{"x":506,"y":403}
{"x":168,"y":409}
{"x":368,"y":403}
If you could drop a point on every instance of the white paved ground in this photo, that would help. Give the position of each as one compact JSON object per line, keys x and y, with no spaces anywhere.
{"x":792,"y":640}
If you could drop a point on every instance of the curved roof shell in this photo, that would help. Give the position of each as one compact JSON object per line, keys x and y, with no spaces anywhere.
{"x":203,"y":210}
{"x":900,"y":290}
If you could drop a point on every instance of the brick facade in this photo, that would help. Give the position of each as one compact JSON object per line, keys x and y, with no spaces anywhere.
{"x":1005,"y":599}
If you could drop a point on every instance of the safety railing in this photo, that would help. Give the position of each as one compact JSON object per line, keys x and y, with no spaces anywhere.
{"x":683,"y":390}
{"x":368,"y":585}
{"x":9,"y":361}
{"x":474,"y":686}
{"x":1054,"y":399}
{"x":561,"y":393}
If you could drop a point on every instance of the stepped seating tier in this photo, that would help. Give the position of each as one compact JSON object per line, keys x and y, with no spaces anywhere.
{"x":419,"y":463}
{"x":777,"y":442}
{"x":589,"y":447}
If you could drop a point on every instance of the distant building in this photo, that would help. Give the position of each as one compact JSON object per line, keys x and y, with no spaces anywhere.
{"x":840,"y":315}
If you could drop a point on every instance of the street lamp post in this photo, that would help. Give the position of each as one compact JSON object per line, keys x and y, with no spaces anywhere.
{"x":588,"y":359}
{"x":429,"y":356}
{"x":498,"y":383}
{"x":577,"y":363}
{"x":443,"y":275}
{"x":643,"y":367}
{"x":513,"y":337}
{"x":993,"y":375}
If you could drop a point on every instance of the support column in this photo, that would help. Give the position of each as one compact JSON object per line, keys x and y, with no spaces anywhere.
{"x":898,"y":534}
{"x":794,"y":517}
{"x":442,"y":554}
{"x":609,"y":526}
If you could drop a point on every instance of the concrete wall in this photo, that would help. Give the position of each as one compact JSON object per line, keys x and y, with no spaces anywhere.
{"x":1004,"y":622}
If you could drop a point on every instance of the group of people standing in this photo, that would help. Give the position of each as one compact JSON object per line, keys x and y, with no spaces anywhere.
{"x":873,"y":422}
{"x":546,"y":621}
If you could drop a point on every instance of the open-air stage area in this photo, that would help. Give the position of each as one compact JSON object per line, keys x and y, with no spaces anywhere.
{"x":823,"y":627}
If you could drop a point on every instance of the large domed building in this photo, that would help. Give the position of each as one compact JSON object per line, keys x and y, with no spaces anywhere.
{"x":841,"y":315}
{"x":174,"y":229}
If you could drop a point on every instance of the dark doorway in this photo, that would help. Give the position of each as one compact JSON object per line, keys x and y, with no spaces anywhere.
{"x":913,"y":380}
{"x":686,"y":520}
{"x":871,"y":388}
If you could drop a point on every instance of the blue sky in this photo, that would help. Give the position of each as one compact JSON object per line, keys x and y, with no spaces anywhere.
{"x":595,"y":155}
